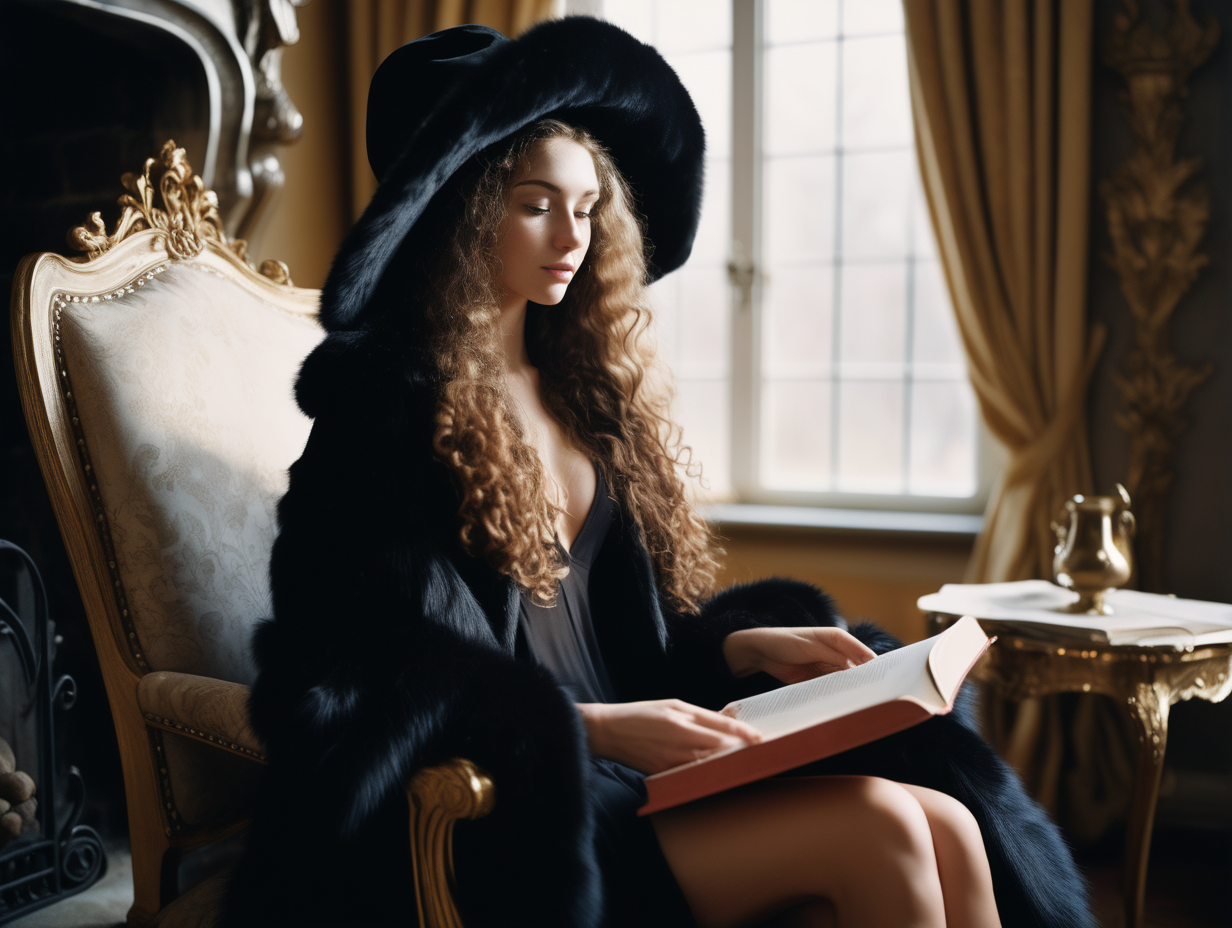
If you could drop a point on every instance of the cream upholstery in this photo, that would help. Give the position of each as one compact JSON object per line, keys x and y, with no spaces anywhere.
{"x":157,"y":379}
{"x":184,"y":390}
{"x":200,"y":707}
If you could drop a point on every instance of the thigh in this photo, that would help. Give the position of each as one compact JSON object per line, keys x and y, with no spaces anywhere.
{"x":749,"y":854}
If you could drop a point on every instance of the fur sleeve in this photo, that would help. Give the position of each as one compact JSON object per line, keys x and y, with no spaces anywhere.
{"x":699,"y":669}
{"x":380,"y":661}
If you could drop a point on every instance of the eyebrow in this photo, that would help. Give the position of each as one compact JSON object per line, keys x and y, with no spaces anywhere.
{"x":551,"y":187}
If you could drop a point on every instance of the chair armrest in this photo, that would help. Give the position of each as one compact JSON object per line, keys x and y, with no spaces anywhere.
{"x":210,"y":710}
{"x":438,"y":797}
{"x":216,"y":711}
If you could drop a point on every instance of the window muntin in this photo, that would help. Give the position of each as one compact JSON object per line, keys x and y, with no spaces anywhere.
{"x":852,"y":356}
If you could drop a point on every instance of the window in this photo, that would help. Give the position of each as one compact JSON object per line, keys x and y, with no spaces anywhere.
{"x":815,"y":352}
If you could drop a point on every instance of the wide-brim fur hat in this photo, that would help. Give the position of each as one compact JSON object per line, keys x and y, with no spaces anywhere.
{"x":439,"y":101}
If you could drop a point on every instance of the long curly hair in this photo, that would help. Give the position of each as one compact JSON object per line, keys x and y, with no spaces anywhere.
{"x":594,"y":355}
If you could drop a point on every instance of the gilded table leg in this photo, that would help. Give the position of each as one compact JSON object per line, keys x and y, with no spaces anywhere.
{"x":1148,"y":708}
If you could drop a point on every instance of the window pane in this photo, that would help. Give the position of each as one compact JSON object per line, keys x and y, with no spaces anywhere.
{"x":862,"y":17}
{"x":937,"y":351}
{"x":870,"y":442}
{"x":692,"y":25}
{"x":637,"y":17}
{"x":876,"y":203}
{"x":799,"y":210}
{"x":707,"y":77}
{"x":713,"y":242}
{"x":943,"y":439}
{"x":800,"y":99}
{"x":923,"y":240}
{"x":798,"y":322}
{"x":876,"y":100}
{"x":874,"y":320}
{"x":797,"y":445}
{"x":702,"y":410}
{"x":704,"y":324}
{"x":801,"y":20}
{"x":692,"y":307}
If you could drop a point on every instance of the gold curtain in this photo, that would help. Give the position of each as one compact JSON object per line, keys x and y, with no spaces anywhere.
{"x":1001,"y":94}
{"x":377,"y":27}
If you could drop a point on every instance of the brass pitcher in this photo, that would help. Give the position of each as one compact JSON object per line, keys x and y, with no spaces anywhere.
{"x":1093,"y":553}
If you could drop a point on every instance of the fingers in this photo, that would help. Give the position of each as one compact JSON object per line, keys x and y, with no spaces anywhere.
{"x":849,"y":651}
{"x":718,"y":722}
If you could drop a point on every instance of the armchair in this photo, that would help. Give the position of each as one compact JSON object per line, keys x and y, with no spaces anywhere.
{"x":156,"y":377}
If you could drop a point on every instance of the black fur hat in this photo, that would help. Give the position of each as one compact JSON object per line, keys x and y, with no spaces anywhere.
{"x":439,"y":101}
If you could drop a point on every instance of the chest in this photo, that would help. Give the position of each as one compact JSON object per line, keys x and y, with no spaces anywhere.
{"x":569,"y":474}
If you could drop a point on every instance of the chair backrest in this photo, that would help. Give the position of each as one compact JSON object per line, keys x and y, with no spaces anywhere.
{"x":158,"y":379}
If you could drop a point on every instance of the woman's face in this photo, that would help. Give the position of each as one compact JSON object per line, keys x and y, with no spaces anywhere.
{"x":547,"y":230}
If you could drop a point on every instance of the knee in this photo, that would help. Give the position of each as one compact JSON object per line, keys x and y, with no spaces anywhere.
{"x":895,"y":823}
{"x":955,"y":830}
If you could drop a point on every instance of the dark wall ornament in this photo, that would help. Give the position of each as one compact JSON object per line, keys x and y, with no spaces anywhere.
{"x":56,"y":857}
{"x":237,"y":47}
{"x":1157,"y":215}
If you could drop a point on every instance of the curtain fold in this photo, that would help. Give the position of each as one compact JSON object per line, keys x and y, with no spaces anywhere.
{"x":1001,"y":95}
{"x":377,"y":27}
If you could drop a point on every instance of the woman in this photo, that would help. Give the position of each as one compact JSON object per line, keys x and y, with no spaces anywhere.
{"x":486,"y":552}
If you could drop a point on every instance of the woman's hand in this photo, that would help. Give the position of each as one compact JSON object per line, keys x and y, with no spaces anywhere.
{"x":660,"y":734}
{"x":793,"y":654}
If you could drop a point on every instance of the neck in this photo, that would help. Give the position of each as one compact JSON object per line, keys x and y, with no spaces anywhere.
{"x":513,"y":333}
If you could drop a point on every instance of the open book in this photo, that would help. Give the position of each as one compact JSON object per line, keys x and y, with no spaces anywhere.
{"x":1037,"y":607}
{"x":807,"y":721}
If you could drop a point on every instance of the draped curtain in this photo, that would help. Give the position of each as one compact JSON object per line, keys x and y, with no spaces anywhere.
{"x":377,"y":27}
{"x":1001,"y":95}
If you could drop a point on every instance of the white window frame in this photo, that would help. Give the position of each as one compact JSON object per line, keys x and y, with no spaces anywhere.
{"x":752,"y":502}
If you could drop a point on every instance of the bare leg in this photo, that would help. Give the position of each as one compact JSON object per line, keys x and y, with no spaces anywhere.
{"x":781,"y":846}
{"x":962,"y":862}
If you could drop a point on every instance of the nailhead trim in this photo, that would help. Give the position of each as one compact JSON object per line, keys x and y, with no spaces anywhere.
{"x":60,"y":302}
{"x":206,"y":736}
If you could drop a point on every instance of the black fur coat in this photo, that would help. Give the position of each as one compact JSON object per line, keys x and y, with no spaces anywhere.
{"x":391,"y":650}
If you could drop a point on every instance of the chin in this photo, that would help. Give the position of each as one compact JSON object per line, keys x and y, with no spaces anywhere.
{"x":551,"y":297}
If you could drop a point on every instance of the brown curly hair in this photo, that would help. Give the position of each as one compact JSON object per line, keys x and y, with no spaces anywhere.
{"x":593,"y":355}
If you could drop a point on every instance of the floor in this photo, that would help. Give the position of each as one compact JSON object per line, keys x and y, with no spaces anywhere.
{"x":1186,"y":890}
{"x":103,"y":905}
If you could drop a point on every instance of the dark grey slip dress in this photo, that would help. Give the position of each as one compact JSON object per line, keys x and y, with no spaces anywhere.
{"x":639,"y":889}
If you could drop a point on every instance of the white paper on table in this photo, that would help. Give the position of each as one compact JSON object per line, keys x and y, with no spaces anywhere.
{"x":1138,"y":618}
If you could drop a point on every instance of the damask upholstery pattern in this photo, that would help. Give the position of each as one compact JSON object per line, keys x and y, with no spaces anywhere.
{"x":184,"y":389}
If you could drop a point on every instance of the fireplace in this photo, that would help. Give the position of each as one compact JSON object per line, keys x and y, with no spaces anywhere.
{"x":45,"y":854}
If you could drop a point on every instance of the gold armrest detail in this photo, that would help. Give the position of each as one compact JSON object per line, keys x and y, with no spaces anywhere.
{"x":438,"y":797}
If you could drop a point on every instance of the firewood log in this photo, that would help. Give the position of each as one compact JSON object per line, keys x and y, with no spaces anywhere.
{"x":27,"y":812}
{"x":8,"y":763}
{"x":16,"y":786}
{"x":10,"y":827}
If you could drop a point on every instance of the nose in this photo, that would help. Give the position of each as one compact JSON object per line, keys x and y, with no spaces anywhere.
{"x":569,"y":234}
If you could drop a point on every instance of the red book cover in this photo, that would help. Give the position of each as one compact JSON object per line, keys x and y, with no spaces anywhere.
{"x":818,"y":718}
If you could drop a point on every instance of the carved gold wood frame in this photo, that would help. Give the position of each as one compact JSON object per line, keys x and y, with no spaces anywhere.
{"x":1157,"y":215}
{"x":146,"y":240}
{"x":43,"y":285}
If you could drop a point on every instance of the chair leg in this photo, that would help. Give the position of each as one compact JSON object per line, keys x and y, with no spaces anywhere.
{"x":155,"y":860}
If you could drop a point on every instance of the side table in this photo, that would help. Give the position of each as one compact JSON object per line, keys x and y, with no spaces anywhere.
{"x":1145,"y":680}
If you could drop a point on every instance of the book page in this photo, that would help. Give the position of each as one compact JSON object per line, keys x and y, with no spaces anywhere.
{"x":903,"y":672}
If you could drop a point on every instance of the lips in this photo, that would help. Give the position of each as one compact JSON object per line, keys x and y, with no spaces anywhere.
{"x":562,"y":272}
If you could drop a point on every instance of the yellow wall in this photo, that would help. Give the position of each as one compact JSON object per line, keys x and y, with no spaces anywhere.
{"x":869,"y":576}
{"x":312,"y":213}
